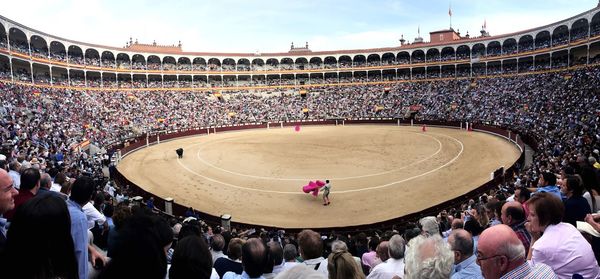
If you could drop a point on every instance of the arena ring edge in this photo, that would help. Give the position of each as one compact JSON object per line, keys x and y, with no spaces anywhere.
{"x":281,"y":204}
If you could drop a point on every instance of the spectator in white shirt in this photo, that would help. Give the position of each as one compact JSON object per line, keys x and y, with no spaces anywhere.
{"x":311,"y":250}
{"x":217,"y":243}
{"x":110,"y":189}
{"x":289,"y":256}
{"x":394,"y":266}
{"x":93,"y":215}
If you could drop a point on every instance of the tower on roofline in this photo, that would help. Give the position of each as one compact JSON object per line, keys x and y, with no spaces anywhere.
{"x":447,"y":35}
{"x":484,"y":32}
{"x":418,"y":39}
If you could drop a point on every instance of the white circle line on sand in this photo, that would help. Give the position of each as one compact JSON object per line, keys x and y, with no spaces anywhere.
{"x":330,"y":178}
{"x":337,"y":192}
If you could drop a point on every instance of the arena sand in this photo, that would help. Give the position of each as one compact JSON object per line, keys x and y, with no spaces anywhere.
{"x":378,"y":172}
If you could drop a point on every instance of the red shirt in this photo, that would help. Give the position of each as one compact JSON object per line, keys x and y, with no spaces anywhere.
{"x":20,"y":198}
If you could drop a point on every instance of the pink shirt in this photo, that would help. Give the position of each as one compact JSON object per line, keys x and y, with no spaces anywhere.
{"x":564,"y":249}
{"x":368,"y":259}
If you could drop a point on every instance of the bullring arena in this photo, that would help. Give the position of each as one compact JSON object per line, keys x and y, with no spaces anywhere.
{"x":472,"y":154}
{"x":378,"y":172}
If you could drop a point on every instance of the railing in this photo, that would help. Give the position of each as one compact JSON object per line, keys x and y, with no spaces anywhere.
{"x":292,"y":86}
{"x":179,"y":210}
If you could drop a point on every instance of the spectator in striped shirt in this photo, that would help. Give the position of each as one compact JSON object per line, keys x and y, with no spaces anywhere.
{"x":513,"y":215}
{"x":500,"y":254}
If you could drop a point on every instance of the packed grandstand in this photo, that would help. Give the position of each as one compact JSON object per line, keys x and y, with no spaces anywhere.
{"x":68,"y":107}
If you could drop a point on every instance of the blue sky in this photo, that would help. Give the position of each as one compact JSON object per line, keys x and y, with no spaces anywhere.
{"x":271,"y":25}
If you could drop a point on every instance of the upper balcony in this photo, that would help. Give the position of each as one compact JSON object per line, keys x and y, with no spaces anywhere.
{"x":26,"y":43}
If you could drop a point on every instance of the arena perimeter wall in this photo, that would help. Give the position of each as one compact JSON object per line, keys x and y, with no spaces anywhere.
{"x":178,"y":210}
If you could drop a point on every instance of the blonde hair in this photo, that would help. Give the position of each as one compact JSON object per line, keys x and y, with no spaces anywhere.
{"x":341,"y":265}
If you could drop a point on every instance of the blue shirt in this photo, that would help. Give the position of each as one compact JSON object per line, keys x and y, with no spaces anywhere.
{"x":475,"y":241}
{"x":244,"y":275}
{"x":150,"y":204}
{"x":3,"y":226}
{"x":467,"y":269}
{"x":552,"y":189}
{"x":3,"y":230}
{"x":79,"y":232}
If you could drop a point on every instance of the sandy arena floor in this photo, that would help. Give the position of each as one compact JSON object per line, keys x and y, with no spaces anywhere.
{"x":378,"y":172}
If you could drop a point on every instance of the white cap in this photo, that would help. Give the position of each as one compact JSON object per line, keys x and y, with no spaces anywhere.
{"x":189,"y":219}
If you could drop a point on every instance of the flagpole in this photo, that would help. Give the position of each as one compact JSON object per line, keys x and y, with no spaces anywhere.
{"x":450,"y":13}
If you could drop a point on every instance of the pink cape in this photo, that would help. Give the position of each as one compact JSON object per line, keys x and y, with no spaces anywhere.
{"x":313,"y":187}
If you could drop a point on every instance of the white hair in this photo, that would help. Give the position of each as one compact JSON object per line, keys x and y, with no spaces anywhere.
{"x":338,"y":246}
{"x":430,"y":225}
{"x":396,"y":247}
{"x":428,"y":257}
{"x":512,"y":251}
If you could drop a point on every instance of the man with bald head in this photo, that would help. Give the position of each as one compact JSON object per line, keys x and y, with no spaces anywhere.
{"x":382,"y":252}
{"x":254,"y":260}
{"x":7,"y":202}
{"x":513,"y":215}
{"x":500,"y":254}
{"x":45,"y":185}
{"x":461,"y":243}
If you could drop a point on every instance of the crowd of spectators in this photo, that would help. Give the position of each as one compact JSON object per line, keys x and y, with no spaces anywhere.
{"x":525,"y":226}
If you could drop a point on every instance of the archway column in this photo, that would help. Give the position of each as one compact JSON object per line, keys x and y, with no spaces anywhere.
{"x":31,"y":71}
{"x":587,"y":62}
{"x":12,"y":74}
